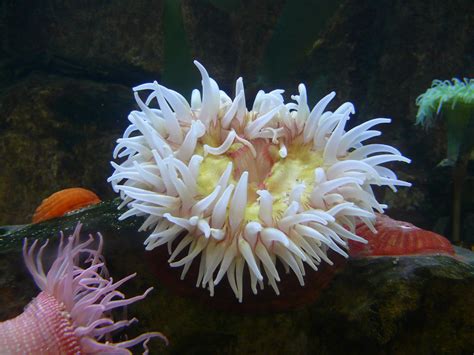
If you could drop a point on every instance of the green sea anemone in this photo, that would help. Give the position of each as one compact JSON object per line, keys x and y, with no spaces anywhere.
{"x":454,"y":101}
{"x":458,"y":95}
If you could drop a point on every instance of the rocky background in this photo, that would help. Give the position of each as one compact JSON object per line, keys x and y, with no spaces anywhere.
{"x":67,"y":68}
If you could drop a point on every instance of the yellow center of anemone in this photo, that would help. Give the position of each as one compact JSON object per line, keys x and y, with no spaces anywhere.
{"x":296,"y":168}
{"x":269,"y":171}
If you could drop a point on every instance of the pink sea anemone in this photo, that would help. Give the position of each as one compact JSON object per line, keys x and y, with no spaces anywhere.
{"x":71,"y":315}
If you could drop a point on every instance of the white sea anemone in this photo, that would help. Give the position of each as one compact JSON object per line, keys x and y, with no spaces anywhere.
{"x":241,"y":187}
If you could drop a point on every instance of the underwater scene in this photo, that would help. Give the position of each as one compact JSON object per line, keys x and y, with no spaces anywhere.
{"x":237,"y":177}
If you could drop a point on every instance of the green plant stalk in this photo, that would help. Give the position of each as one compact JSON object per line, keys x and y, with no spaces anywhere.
{"x":454,"y":101}
{"x":460,"y":144}
{"x":178,"y":70}
{"x":459,"y":175}
{"x":459,"y":126}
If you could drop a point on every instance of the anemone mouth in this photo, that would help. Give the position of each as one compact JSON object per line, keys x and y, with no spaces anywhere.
{"x":256,"y":159}
{"x":249,"y":188}
{"x":271,"y":170}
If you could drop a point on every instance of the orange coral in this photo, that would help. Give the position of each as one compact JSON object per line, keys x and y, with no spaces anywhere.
{"x":64,"y":201}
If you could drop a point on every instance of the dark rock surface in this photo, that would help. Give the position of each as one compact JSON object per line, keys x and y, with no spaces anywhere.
{"x":403,"y":305}
{"x":56,"y":132}
{"x":104,"y":40}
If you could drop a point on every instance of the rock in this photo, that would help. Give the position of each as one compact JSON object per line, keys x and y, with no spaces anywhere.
{"x":385,"y":305}
{"x":131,"y":41}
{"x":55,"y":133}
{"x":122,"y":40}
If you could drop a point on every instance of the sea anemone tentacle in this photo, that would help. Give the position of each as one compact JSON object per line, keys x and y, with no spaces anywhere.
{"x":245,"y":189}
